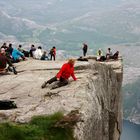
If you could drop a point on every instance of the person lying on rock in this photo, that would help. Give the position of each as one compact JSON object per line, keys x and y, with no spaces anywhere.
{"x":63,"y":75}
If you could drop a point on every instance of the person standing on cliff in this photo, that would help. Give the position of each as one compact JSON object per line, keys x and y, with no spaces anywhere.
{"x":53,"y":53}
{"x":85,"y":48}
{"x":63,"y":75}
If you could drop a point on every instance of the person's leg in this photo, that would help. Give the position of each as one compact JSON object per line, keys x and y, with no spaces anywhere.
{"x":51,"y":57}
{"x":52,"y":80}
{"x":49,"y":82}
{"x":83,"y":53}
{"x":12,"y":69}
{"x":59,"y":84}
{"x":54,"y":57}
{"x":62,"y":82}
{"x":31,"y":53}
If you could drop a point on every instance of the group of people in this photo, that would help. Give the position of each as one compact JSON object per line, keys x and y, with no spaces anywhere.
{"x":10,"y":55}
{"x":100,"y":57}
{"x":109,"y":55}
{"x":42,"y":55}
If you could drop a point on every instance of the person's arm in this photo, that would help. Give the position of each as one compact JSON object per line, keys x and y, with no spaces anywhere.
{"x":61,"y":70}
{"x":20,"y":53}
{"x":73,"y":75}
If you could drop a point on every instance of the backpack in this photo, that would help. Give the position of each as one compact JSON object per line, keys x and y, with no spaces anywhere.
{"x":51,"y":52}
{"x":7,"y":104}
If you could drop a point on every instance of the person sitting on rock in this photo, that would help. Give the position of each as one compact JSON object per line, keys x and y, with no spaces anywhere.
{"x":100,"y":56}
{"x":63,"y":75}
{"x":109,"y":54}
{"x":115,"y":56}
{"x":4,"y":61}
{"x":9,"y":50}
{"x":32,"y":50}
{"x":38,"y":53}
{"x":44,"y":56}
{"x":17,"y":56}
{"x":26,"y":53}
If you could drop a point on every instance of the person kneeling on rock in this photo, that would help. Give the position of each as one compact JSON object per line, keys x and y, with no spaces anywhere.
{"x":63,"y":75}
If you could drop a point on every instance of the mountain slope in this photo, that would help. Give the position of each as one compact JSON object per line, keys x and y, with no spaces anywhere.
{"x":19,"y":27}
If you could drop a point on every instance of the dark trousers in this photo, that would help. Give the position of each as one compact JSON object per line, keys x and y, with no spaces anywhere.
{"x":62,"y":81}
{"x":84,"y":52}
{"x":53,"y":56}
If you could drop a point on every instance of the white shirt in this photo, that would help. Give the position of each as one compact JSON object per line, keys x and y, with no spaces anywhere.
{"x":38,"y":54}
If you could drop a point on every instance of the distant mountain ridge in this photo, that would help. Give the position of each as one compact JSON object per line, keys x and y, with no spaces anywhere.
{"x":69,"y":23}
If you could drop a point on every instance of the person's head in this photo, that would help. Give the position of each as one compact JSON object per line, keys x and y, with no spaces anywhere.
{"x":53,"y":47}
{"x":71,"y":61}
{"x":4,"y":44}
{"x":10,"y":45}
{"x":84,"y":43}
{"x":40,"y":47}
{"x":20,"y":46}
{"x":32,"y":46}
{"x":2,"y":51}
{"x":99,"y":51}
{"x":109,"y":49}
{"x":44,"y":52}
{"x":117,"y":52}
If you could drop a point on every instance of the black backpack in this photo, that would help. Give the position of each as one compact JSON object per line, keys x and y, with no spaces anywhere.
{"x":7,"y":104}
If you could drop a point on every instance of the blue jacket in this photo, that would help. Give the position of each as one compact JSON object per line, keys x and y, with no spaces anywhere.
{"x":16,"y":54}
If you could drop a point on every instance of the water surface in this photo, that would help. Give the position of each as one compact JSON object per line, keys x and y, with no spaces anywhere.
{"x":130,"y":131}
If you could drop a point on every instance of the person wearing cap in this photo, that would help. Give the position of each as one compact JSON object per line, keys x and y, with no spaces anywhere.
{"x":63,"y":75}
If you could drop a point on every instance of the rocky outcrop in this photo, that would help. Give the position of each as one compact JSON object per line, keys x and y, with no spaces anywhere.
{"x":96,"y":95}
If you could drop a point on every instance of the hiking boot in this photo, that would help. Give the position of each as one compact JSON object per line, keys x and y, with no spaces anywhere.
{"x":14,"y":70}
{"x":44,"y":85}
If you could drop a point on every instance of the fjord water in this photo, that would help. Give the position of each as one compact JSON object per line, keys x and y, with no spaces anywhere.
{"x":130,"y":131}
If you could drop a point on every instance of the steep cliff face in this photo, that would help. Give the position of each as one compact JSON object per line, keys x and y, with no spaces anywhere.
{"x":103,"y":110}
{"x":96,"y":95}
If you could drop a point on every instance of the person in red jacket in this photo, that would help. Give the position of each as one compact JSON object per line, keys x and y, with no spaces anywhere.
{"x":63,"y":75}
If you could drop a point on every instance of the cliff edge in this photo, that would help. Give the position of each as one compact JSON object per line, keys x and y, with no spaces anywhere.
{"x":96,"y":95}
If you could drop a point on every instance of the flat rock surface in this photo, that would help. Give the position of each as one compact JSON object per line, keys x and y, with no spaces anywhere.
{"x":25,"y":89}
{"x":96,"y":95}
